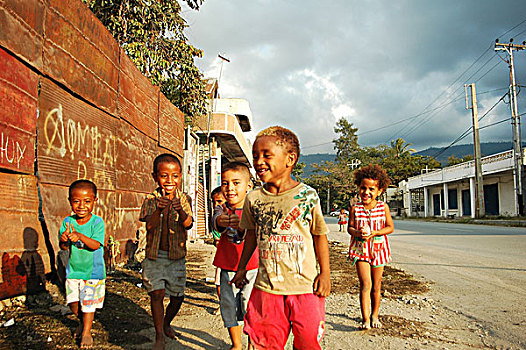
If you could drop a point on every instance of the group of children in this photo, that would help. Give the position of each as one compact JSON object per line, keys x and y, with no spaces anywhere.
{"x":266,"y":292}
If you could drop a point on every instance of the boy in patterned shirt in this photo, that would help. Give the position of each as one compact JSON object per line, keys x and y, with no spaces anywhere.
{"x":168,"y":214}
{"x":284,"y":220}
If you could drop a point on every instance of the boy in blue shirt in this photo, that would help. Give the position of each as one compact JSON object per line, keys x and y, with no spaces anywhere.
{"x":83,"y":234}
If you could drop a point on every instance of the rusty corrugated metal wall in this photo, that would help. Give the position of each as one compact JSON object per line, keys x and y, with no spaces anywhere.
{"x":74,"y":106}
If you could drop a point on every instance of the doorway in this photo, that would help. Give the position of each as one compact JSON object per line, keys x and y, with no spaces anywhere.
{"x":466,"y":203}
{"x":436,"y":204}
{"x":491,"y":199}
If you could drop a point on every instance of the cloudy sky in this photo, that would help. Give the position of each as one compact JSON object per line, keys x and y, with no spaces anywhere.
{"x":392,"y":68}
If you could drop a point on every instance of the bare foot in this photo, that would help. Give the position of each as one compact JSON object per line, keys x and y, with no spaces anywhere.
{"x":86,"y":342}
{"x":159,"y":343}
{"x":170,"y":333}
{"x":375,"y":322}
{"x":365,"y":325}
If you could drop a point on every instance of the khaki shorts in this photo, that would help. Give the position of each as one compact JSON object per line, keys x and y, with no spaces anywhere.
{"x":90,"y":293}
{"x":164,"y":273}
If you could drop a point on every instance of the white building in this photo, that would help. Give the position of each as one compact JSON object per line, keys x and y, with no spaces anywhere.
{"x":451,"y":191}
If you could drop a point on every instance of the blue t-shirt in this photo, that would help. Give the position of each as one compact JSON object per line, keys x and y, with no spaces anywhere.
{"x":84,"y":263}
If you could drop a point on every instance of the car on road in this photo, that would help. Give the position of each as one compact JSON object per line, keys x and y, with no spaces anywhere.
{"x":337,"y":212}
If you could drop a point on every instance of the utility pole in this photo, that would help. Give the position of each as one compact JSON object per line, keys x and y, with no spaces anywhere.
{"x":479,"y":184}
{"x":517,"y":147}
{"x":328,"y":199}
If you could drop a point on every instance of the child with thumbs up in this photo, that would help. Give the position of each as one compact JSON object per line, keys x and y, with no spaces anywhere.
{"x":168,"y":215}
{"x":83,"y":234}
{"x":235,"y":183}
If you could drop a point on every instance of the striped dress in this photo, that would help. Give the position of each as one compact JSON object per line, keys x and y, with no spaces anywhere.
{"x":376,"y":251}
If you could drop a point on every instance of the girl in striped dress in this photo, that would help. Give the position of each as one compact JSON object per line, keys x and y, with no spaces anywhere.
{"x":370,"y":222}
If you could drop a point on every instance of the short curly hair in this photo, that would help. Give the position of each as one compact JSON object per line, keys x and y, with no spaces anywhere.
{"x":285,"y":136}
{"x":375,"y":172}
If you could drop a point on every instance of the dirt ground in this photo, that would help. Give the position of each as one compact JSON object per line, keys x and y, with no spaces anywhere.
{"x":410,"y":318}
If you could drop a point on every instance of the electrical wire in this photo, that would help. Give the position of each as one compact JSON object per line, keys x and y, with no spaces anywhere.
{"x":427,"y":119}
{"x":495,"y":123}
{"x":430,"y":117}
{"x":412,"y":117}
{"x":516,"y":35}
{"x":466,"y":132}
{"x":444,"y":91}
{"x":446,"y":103}
{"x":500,"y":36}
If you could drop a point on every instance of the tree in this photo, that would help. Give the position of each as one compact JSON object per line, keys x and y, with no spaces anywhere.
{"x":452,"y":160}
{"x":333,"y":176}
{"x":401,"y":148}
{"x":298,"y":170}
{"x":402,"y":168}
{"x":151,"y":33}
{"x":346,"y":145}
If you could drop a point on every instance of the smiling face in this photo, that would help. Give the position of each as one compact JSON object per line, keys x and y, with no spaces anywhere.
{"x":218,"y":199}
{"x":168,"y":177}
{"x":234,"y":185}
{"x":369,"y":191}
{"x":82,"y":201}
{"x":272,"y":161}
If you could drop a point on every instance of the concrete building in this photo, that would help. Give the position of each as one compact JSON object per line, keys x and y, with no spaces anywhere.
{"x":451,"y":191}
{"x":217,"y":138}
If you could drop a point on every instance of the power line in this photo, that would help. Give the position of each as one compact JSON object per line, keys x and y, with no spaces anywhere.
{"x":424,"y":121}
{"x":512,"y":29}
{"x":492,"y":68}
{"x":495,"y":123}
{"x":518,"y":34}
{"x":408,"y":118}
{"x":445,"y":90}
{"x":484,"y":65}
{"x":466,"y":132}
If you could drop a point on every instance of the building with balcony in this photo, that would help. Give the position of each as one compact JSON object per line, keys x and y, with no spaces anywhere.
{"x":450,"y":191}
{"x":217,"y":138}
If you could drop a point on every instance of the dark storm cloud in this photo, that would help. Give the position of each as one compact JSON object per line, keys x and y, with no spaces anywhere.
{"x":305,"y":64}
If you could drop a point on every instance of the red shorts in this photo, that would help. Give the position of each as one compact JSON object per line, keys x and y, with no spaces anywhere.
{"x":269,"y":319}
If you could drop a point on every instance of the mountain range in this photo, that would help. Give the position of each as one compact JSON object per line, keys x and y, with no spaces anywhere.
{"x":459,"y":151}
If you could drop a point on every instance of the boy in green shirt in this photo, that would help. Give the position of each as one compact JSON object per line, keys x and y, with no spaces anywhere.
{"x":83,"y":234}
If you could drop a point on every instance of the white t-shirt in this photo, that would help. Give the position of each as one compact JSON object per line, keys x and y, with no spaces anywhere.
{"x":285,"y":224}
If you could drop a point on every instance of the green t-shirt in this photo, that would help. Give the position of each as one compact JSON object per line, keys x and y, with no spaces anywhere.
{"x":84,"y":263}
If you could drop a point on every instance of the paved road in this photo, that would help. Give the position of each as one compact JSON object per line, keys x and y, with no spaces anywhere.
{"x":477,"y":270}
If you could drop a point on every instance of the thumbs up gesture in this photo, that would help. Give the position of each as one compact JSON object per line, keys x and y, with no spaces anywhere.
{"x":228,"y":220}
{"x":223,"y":220}
{"x":74,"y":236}
{"x":65,"y":235}
{"x":176,"y":202}
{"x":233,"y":220}
{"x":164,"y":201}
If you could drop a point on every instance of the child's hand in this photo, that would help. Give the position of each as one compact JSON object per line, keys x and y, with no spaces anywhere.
{"x":234,"y":221}
{"x":365,"y":232}
{"x":176,"y":204}
{"x":163,"y":202}
{"x":74,"y":236}
{"x":65,"y":235}
{"x":240,"y":279}
{"x":322,"y":284}
{"x":223,"y":220}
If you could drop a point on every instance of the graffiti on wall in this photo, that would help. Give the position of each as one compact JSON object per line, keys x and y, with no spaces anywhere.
{"x":87,"y":147}
{"x":11,"y":151}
